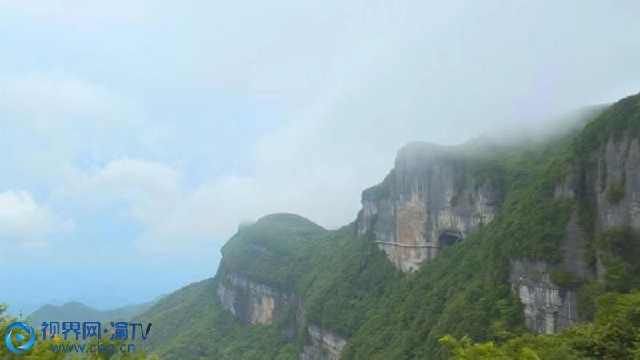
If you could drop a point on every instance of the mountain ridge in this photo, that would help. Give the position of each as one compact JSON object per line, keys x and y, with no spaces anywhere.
{"x":77,"y":311}
{"x":534,"y":263}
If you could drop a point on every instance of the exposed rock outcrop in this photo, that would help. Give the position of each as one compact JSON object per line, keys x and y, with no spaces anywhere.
{"x":323,"y":345}
{"x":609,"y":183}
{"x":547,"y":307}
{"x":616,"y":184}
{"x":251,"y":302}
{"x":427,"y":202}
{"x":433,"y":198}
{"x":249,"y":286}
{"x":254,"y":303}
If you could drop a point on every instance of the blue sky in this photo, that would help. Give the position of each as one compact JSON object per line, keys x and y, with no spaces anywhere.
{"x":137,"y":135}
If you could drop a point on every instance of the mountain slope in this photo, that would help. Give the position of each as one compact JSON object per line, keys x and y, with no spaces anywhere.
{"x":560,"y":233}
{"x":332,"y":274}
{"x":490,"y":243}
{"x":190,"y":324}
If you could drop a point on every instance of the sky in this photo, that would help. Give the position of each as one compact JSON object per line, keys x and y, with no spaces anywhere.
{"x":137,"y":135}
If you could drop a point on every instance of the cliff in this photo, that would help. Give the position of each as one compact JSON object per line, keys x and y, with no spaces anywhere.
{"x":429,"y":201}
{"x":603,"y":179}
{"x":323,"y":345}
{"x":250,"y":302}
{"x":541,"y":249}
{"x":259,"y":281}
{"x":476,"y":241}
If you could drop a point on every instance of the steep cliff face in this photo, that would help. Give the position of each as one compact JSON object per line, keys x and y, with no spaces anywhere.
{"x":547,"y":306}
{"x":257,"y":277}
{"x":609,"y":180}
{"x":606,"y":183}
{"x":250,"y":302}
{"x":427,"y":202}
{"x":616,"y":183}
{"x":253,"y":303}
{"x":539,"y":223}
{"x":322,"y":345}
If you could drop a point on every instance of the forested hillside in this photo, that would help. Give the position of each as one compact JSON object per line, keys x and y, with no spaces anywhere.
{"x":333,"y":293}
{"x":523,"y":251}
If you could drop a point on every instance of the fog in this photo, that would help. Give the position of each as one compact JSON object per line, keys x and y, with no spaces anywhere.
{"x":151,"y":129}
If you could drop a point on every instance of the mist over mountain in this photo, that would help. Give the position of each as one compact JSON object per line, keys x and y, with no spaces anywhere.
{"x":526,"y":248}
{"x":321,"y":179}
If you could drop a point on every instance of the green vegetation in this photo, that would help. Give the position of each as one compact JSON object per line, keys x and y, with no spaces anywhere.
{"x":345,"y":284}
{"x":615,"y":193}
{"x":465,"y":290}
{"x":587,"y":295}
{"x":347,"y":278}
{"x":44,"y":350}
{"x":273,"y":251}
{"x":337,"y":276}
{"x":623,"y":117}
{"x":615,"y":334}
{"x":565,"y":279}
{"x":190,"y":324}
{"x":526,"y":347}
{"x":619,"y":251}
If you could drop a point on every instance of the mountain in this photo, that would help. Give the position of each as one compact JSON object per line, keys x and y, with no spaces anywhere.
{"x":513,"y":249}
{"x":76,"y":311}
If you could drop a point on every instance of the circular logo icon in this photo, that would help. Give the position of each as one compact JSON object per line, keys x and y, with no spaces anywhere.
{"x":24,"y":336}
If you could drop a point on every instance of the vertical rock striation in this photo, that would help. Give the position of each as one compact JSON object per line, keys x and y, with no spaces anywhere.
{"x":251,"y":302}
{"x":547,"y":306}
{"x":253,"y":287}
{"x":609,"y":183}
{"x":427,"y":202}
{"x":323,"y":345}
{"x":615,"y":184}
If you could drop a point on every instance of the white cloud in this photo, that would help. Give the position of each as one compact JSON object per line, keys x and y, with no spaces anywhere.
{"x":151,"y":109}
{"x":178,"y":218}
{"x":149,"y":192}
{"x":150,"y":189}
{"x":55,"y":102}
{"x":22,"y":219}
{"x":174,"y":217}
{"x":356,"y":81}
{"x":51,"y":122}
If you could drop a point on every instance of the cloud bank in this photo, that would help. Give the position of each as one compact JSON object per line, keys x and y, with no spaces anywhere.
{"x":27,"y":223}
{"x":156,"y":127}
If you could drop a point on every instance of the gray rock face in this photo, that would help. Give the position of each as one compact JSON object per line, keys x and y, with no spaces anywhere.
{"x":250,"y":302}
{"x":426,"y":203}
{"x":547,"y":307}
{"x":323,"y":345}
{"x":611,"y":185}
{"x":618,"y":171}
{"x":255,"y":303}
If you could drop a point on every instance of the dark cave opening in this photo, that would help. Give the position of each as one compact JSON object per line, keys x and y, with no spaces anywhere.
{"x":449,"y":238}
